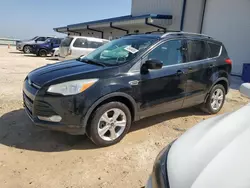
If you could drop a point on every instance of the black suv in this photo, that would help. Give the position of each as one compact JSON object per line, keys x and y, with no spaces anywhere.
{"x":126,"y":80}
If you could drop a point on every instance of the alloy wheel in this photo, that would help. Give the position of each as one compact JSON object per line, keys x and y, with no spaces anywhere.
{"x":26,"y":49}
{"x":112,"y":124}
{"x":217,"y":99}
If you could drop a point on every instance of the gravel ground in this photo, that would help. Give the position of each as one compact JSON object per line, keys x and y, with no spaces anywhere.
{"x":31,"y":157}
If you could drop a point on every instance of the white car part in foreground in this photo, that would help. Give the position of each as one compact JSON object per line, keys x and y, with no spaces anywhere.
{"x":215,"y":153}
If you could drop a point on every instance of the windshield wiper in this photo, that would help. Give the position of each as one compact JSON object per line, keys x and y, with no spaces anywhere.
{"x":89,"y":61}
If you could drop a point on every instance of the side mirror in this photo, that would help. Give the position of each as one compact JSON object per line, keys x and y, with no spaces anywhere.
{"x":245,"y":89}
{"x":153,"y":64}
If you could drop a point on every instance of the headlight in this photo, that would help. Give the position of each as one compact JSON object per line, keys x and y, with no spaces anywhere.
{"x":72,"y":87}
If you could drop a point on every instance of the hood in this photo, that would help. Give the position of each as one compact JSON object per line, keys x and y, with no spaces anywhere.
{"x":214,"y":153}
{"x":51,"y":72}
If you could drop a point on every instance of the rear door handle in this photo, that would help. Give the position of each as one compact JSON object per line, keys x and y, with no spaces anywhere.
{"x":179,"y":72}
{"x":211,"y":66}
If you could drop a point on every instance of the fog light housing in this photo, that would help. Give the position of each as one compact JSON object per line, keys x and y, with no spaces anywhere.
{"x":51,"y":118}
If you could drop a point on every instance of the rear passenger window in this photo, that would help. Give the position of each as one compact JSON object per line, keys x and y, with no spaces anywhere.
{"x":214,"y":50}
{"x":57,"y":41}
{"x":80,"y":43}
{"x":197,"y":50}
{"x":93,"y":44}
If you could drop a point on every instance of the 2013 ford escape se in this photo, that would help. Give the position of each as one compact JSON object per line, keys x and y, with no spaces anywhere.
{"x":126,"y":80}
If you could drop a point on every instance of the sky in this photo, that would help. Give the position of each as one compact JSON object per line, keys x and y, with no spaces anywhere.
{"x":24,"y":19}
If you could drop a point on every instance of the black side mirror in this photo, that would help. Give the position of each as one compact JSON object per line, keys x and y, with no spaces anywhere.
{"x":153,"y":64}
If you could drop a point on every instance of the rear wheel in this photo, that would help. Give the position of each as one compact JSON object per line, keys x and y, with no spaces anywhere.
{"x":215,"y":100}
{"x":26,"y":49}
{"x":42,"y":53}
{"x":109,"y":124}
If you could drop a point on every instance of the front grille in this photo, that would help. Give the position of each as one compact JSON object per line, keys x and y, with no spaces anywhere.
{"x":42,"y":108}
{"x":28,"y":103}
{"x":36,"y":107}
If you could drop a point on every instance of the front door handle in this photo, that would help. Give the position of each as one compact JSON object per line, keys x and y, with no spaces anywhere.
{"x":179,"y":73}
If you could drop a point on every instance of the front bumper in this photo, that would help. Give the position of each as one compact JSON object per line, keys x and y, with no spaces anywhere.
{"x":73,"y":130}
{"x":36,"y":106}
{"x":19,"y":47}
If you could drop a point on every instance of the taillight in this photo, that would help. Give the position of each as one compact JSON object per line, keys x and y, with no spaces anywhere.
{"x":69,"y":52}
{"x":229,"y":61}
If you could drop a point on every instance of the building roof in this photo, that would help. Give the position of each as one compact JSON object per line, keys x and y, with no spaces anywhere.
{"x":109,"y":21}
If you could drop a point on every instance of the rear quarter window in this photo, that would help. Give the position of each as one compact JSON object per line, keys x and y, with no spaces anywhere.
{"x":214,"y":49}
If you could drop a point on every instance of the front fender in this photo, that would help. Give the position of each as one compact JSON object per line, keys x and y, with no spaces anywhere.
{"x":118,"y":93}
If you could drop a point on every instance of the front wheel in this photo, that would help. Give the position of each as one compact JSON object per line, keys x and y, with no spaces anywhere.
{"x":109,"y":124}
{"x":215,"y":100}
{"x":26,"y":49}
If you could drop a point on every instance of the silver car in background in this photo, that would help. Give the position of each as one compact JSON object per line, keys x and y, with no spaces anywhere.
{"x":25,"y":45}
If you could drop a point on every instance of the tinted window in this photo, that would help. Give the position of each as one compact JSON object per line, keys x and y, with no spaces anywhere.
{"x":197,"y":50}
{"x":170,"y":53}
{"x":93,"y":44}
{"x":41,"y":39}
{"x":66,"y":42}
{"x":57,"y":41}
{"x":80,"y":43}
{"x":214,"y":49}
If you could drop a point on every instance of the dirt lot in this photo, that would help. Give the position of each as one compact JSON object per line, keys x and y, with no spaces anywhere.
{"x":31,"y":157}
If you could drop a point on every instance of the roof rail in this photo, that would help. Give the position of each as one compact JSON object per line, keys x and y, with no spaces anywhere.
{"x":185,"y":33}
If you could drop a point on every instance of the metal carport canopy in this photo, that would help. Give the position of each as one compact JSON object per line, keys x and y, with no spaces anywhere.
{"x":119,"y":23}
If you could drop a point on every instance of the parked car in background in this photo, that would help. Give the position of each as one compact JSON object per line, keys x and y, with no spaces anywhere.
{"x":76,"y":46}
{"x":25,"y":45}
{"x":55,"y":52}
{"x":43,"y":49}
{"x":102,"y":93}
{"x":215,"y":153}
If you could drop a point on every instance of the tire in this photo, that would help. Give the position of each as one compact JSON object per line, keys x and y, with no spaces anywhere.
{"x":26,"y":49}
{"x":42,"y":53}
{"x":99,"y":126}
{"x":217,"y":94}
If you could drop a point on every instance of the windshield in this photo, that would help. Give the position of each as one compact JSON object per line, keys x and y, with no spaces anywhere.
{"x":34,"y":38}
{"x":66,"y":42}
{"x":119,"y":51}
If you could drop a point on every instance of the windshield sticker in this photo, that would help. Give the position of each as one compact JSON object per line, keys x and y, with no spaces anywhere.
{"x":131,"y":49}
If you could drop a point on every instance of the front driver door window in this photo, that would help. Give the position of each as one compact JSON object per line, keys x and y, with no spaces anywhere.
{"x":164,"y":90}
{"x":170,"y":53}
{"x":41,"y":39}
